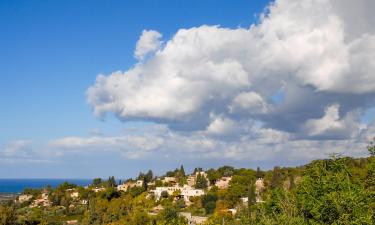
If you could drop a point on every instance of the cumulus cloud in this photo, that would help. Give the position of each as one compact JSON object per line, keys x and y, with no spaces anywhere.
{"x":211,"y":81}
{"x":147,"y":43}
{"x":22,"y":151}
{"x":331,"y":124}
{"x":221,"y":126}
{"x":19,"y":148}
{"x":131,"y":146}
{"x":250,"y":102}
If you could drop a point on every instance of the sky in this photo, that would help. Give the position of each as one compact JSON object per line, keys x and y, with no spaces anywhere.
{"x":94,"y":89}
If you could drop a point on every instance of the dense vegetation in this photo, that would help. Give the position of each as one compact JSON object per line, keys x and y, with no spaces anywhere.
{"x":339,"y":190}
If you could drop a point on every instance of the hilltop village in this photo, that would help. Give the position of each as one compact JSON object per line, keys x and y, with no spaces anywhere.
{"x":175,"y":185}
{"x":225,"y":195}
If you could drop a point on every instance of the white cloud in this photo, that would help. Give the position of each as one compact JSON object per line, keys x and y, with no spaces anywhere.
{"x":19,"y":148}
{"x":132,"y":146}
{"x":147,"y":43}
{"x":23,"y":151}
{"x":249,"y":102}
{"x":221,"y":126}
{"x":298,"y":46}
{"x":214,"y":86}
{"x":331,"y":124}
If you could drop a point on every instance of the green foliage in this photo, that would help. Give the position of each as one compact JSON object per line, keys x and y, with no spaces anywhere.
{"x":7,"y":215}
{"x":96,"y":182}
{"x":64,"y":186}
{"x":201,"y":182}
{"x":110,"y":193}
{"x":164,"y":194}
{"x":213,"y":175}
{"x":111,"y":182}
{"x":209,"y":202}
{"x":239,"y":186}
{"x":335,"y":191}
{"x":149,"y":176}
{"x":135,"y":191}
{"x":32,"y":191}
{"x":197,"y":169}
{"x":328,"y":194}
{"x":226,"y":171}
{"x":169,"y":216}
{"x":276,"y":180}
{"x":182,"y":171}
{"x":371,"y":147}
{"x":251,"y":195}
{"x":260,"y":173}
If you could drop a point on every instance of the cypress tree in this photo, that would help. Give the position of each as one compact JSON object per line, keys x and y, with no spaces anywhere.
{"x":182,"y":171}
{"x":251,"y":195}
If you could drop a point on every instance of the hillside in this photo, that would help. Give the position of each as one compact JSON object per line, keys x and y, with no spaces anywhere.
{"x":340,"y":190}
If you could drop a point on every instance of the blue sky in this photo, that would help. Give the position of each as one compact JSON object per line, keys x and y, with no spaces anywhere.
{"x":242,"y":85}
{"x":53,"y":51}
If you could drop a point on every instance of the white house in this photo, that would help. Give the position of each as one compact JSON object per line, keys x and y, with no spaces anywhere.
{"x":186,"y":191}
{"x":98,"y":189}
{"x":192,"y":220}
{"x":74,"y":194}
{"x":129,"y":184}
{"x":169,"y":180}
{"x":223,"y":183}
{"x":24,"y":198}
{"x":191,"y":180}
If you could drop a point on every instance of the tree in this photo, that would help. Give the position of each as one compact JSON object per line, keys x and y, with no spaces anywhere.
{"x":251,"y":195}
{"x":64,"y":186}
{"x":164,"y":194}
{"x":197,"y":169}
{"x":139,"y":218}
{"x":144,"y":183}
{"x":201,"y":182}
{"x":259,"y":173}
{"x":292,"y":184}
{"x":110,"y":193}
{"x":182,"y":171}
{"x":329,"y":194}
{"x":213,"y":175}
{"x":111,"y":181}
{"x":226,"y":171}
{"x":276,"y":178}
{"x":96,"y":182}
{"x":371,"y":147}
{"x":141,"y":176}
{"x":169,"y":216}
{"x":209,"y":202}
{"x":7,"y":215}
{"x":170,"y":174}
{"x":149,"y":176}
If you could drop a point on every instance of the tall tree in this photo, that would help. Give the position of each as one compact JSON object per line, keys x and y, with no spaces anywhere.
{"x":251,"y":195}
{"x":149,"y":176}
{"x":7,"y":215}
{"x":182,"y":171}
{"x":197,"y":169}
{"x":111,"y":181}
{"x":259,"y":173}
{"x":292,"y":184}
{"x":144,"y":183}
{"x":276,"y":177}
{"x":371,"y":147}
{"x":201,"y":182}
{"x":329,"y":194}
{"x":97,"y":181}
{"x":141,"y":176}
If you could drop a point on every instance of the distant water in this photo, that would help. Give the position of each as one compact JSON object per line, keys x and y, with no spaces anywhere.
{"x":18,"y":185}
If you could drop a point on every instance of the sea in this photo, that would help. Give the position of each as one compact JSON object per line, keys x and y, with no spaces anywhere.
{"x":16,"y":186}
